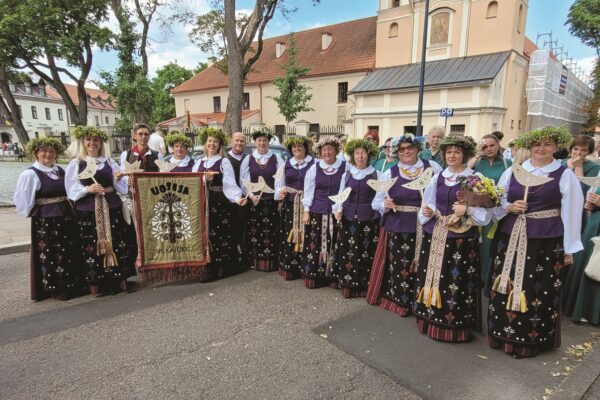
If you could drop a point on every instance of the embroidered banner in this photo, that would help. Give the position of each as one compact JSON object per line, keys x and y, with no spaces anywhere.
{"x":170,"y":211}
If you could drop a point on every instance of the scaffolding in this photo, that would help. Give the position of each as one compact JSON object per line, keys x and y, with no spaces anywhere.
{"x":556,"y":96}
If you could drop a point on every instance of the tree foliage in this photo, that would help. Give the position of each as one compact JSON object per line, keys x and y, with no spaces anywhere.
{"x":293,"y":96}
{"x":584,"y":22}
{"x":167,"y":77}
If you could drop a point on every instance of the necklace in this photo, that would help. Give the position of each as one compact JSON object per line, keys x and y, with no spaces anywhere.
{"x":411,"y":175}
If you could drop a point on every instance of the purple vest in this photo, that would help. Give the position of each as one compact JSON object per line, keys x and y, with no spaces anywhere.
{"x":50,"y":188}
{"x":187,"y":168}
{"x":325,"y":186}
{"x":294,"y":177}
{"x":402,"y":222}
{"x":266,"y":171}
{"x":216,"y":167}
{"x":359,"y":201}
{"x":542,"y":197}
{"x":104,"y":177}
{"x":444,"y":199}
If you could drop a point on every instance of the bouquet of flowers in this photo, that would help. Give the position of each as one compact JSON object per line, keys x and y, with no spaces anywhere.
{"x":478,"y":191}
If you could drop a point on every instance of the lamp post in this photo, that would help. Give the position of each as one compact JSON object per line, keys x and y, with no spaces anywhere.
{"x":422,"y":79}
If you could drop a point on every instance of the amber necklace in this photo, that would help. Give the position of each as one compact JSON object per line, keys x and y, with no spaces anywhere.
{"x":411,"y":175}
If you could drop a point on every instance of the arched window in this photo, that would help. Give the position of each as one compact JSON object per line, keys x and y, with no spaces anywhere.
{"x":520,"y":20}
{"x":492,"y":10}
{"x":393,"y":29}
{"x":440,"y":28}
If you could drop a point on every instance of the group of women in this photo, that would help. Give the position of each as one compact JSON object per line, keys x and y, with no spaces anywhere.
{"x":403,"y":238}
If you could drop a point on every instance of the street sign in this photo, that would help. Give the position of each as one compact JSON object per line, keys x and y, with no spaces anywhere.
{"x":446,"y":112}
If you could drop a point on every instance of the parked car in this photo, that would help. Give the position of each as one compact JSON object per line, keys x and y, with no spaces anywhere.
{"x":275,"y":148}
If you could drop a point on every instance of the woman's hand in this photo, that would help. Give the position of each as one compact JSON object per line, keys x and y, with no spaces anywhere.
{"x":281,"y":194}
{"x":118,"y":175}
{"x":255,"y":199}
{"x":95,"y":188}
{"x":568,"y":259}
{"x":593,"y":199}
{"x":426,"y":211}
{"x":306,"y":218}
{"x":209,"y":177}
{"x":518,"y":207}
{"x":575,"y":162}
{"x":389,"y":203}
{"x":459,"y":209}
{"x":338,"y":216}
{"x":242,"y":201}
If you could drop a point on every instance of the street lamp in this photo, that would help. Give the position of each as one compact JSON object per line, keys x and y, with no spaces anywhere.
{"x":422,"y":79}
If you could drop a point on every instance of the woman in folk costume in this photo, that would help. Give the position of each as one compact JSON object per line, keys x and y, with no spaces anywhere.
{"x":262,"y":245}
{"x":292,"y":235}
{"x":539,"y":235}
{"x":322,"y":180}
{"x":393,"y":273}
{"x":447,"y":303}
{"x":180,"y":145}
{"x":358,"y":223}
{"x":40,"y":194}
{"x":223,"y":193}
{"x":108,"y":249}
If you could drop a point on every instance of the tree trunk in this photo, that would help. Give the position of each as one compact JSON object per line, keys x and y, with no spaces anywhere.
{"x":235,"y":67}
{"x":11,"y":109}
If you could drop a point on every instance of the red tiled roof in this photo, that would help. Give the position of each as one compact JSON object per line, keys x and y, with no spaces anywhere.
{"x":203,"y":119}
{"x":352,"y":50}
{"x":96,"y":98}
{"x":529,"y":47}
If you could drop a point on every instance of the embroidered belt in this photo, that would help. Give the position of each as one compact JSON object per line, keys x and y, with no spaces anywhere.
{"x":215,"y":188}
{"x":518,"y":244}
{"x":296,"y":234}
{"x":104,"y":245}
{"x":419,"y":233}
{"x":50,"y":200}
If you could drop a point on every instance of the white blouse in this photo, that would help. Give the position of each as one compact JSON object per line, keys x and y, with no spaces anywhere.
{"x":480,"y":216}
{"x":357,"y":174}
{"x":571,"y":202}
{"x":180,"y":163}
{"x":261,"y":159}
{"x":230,"y":189}
{"x":123,"y":158}
{"x":28,"y":184}
{"x":311,"y":174}
{"x":76,"y":191}
{"x":297,"y":165}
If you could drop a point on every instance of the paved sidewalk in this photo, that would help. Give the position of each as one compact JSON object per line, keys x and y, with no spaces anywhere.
{"x":14,"y":228}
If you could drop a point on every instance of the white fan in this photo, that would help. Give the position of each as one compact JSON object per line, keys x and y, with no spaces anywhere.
{"x":164,"y":166}
{"x":341,"y":197}
{"x":527,"y":179}
{"x":382,"y":186}
{"x":130,"y":168}
{"x":90,"y":170}
{"x":260,"y":187}
{"x":593,"y":182}
{"x":421,"y":182}
{"x":279,"y":174}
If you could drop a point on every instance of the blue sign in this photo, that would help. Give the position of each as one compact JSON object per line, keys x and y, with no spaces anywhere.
{"x":446,"y":112}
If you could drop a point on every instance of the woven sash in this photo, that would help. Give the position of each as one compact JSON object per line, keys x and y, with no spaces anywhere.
{"x":325,"y":254}
{"x":518,"y":244}
{"x":104,"y":244}
{"x":50,"y":200}
{"x":296,"y":234}
{"x":419,"y":234}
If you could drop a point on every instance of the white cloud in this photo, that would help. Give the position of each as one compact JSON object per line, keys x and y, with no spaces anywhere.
{"x":586,"y":64}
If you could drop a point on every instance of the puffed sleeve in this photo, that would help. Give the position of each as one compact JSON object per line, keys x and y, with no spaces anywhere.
{"x":377,"y":203}
{"x":503,"y":183}
{"x":570,"y":211}
{"x":75,"y":190}
{"x":436,"y":167}
{"x":429,"y":199}
{"x":196,"y":166}
{"x":245,"y":172}
{"x":481,"y":216}
{"x":122,"y":159}
{"x":120,"y":184}
{"x":230,"y":189}
{"x":279,"y":183}
{"x":338,"y":207}
{"x":24,"y":198}
{"x":309,"y":187}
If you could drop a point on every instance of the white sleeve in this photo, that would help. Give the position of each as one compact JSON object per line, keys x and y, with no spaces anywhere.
{"x":122,"y":160}
{"x":338,"y":207}
{"x":279,"y":184}
{"x":196,"y":166}
{"x":230,"y":189}
{"x":161,"y":157}
{"x":245,"y":173}
{"x":75,"y":190}
{"x":24,"y":198}
{"x":429,"y":199}
{"x":377,"y":203}
{"x":120,"y":184}
{"x":503,"y":183}
{"x":162,"y":146}
{"x":436,"y":167}
{"x":481,"y":216}
{"x":570,"y":211}
{"x":309,"y":187}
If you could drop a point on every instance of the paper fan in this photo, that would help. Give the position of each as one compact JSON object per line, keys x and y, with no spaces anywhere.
{"x":421,"y":182}
{"x":382,"y":186}
{"x":593,"y":182}
{"x":90,"y":169}
{"x":279,"y":174}
{"x":527,"y":179}
{"x":164,"y":166}
{"x":252,"y":187}
{"x":341,"y":197}
{"x":264,"y":187}
{"x":132,"y":167}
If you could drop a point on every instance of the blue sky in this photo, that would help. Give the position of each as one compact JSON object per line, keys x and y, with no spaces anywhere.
{"x":544,"y":16}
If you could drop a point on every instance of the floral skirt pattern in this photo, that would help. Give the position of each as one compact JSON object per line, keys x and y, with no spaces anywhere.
{"x":316,"y":261}
{"x":262,"y":246}
{"x":290,"y":260}
{"x":525,"y":333}
{"x":398,"y":283}
{"x":55,"y":259}
{"x":223,"y":253}
{"x":459,"y":289}
{"x":354,"y":251}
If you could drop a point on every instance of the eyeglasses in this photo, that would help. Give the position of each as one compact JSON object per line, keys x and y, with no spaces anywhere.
{"x":386,"y":147}
{"x":406,"y":149}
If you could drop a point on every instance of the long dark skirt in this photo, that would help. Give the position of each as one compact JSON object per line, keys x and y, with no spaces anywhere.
{"x":525,"y":333}
{"x":55,"y":259}
{"x":315,"y":263}
{"x":459,"y":289}
{"x":290,"y":257}
{"x":354,"y":251}
{"x":263,"y":235}
{"x":224,"y":257}
{"x":111,"y":279}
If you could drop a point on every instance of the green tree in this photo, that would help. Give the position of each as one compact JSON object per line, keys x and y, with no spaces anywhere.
{"x":167,"y":77}
{"x":293,"y":96}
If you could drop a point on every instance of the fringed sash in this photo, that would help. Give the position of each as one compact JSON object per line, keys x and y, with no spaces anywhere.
{"x":518,"y":244}
{"x":325,"y":254}
{"x":41,"y":201}
{"x":419,"y":234}
{"x":296,"y":235}
{"x":103,"y":232}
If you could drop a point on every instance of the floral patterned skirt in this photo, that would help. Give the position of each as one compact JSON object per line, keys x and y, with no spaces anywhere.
{"x":459,"y":286}
{"x":55,"y":260}
{"x":319,"y":244}
{"x":290,"y":255}
{"x":524,"y":334}
{"x":354,"y":251}
{"x":262,"y":246}
{"x":224,"y":257}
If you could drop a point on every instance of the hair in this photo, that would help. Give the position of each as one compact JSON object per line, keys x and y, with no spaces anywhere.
{"x":83,"y":152}
{"x":521,"y":155}
{"x":495,"y":138}
{"x":364,"y":144}
{"x":327,"y":141}
{"x":439,"y":129}
{"x":465,"y":143}
{"x":498,"y":135}
{"x":583,"y":141}
{"x":373,"y":135}
{"x":139,"y":126}
{"x":299,"y":140}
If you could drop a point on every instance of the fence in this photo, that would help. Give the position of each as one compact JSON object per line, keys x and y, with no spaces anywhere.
{"x":281,"y":132}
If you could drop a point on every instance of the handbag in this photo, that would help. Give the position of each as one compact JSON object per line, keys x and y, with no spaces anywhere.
{"x":592,"y":269}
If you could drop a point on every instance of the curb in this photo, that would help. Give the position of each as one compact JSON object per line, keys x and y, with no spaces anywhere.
{"x":576,"y":385}
{"x":19,"y":247}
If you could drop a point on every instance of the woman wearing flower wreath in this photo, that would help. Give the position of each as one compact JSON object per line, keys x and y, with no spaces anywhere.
{"x":40,"y":194}
{"x":539,"y":235}
{"x":180,"y":145}
{"x":108,"y":249}
{"x":447,"y":283}
{"x":223,"y":193}
{"x":393,"y":273}
{"x":357,"y":236}
{"x":292,"y":235}
{"x":262,"y":244}
{"x":322,"y":180}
